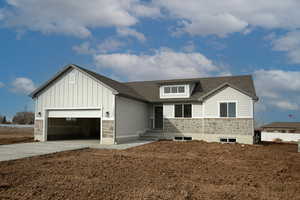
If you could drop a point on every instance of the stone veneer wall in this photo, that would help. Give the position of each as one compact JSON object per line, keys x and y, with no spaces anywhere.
{"x":183,"y":125}
{"x":38,"y":129}
{"x":107,"y":128}
{"x":236,"y":126}
{"x":229,"y":126}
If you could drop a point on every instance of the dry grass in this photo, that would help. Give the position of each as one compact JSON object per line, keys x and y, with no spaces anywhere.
{"x":15,"y":135}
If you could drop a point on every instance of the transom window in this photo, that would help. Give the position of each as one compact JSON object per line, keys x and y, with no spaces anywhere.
{"x":228,"y":109}
{"x":174,"y":89}
{"x":183,"y":110}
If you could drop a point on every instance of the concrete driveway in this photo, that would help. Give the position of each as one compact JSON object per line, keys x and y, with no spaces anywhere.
{"x":23,"y":150}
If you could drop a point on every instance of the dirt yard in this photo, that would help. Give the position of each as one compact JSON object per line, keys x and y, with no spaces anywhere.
{"x":161,"y":170}
{"x":15,"y":135}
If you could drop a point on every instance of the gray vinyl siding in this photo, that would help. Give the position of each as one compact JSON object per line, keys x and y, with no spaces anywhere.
{"x":131,"y":117}
{"x":244,"y":103}
{"x":85,"y":92}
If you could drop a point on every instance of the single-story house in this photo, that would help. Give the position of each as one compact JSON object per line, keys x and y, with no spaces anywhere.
{"x":79,"y":103}
{"x":285,"y":131}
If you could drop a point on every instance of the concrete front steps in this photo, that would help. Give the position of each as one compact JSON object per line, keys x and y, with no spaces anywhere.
{"x":153,"y":135}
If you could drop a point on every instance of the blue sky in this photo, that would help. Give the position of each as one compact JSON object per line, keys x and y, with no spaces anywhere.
{"x":154,"y":39}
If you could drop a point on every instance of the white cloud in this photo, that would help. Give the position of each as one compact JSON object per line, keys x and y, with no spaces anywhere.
{"x":278,"y":88}
{"x":110,"y":45}
{"x":202,"y":17}
{"x":163,"y":64}
{"x":189,"y":47}
{"x":2,"y":85}
{"x":83,"y":48}
{"x":71,"y":17}
{"x":131,"y":32}
{"x":23,"y":85}
{"x":289,"y":43}
{"x":285,"y":105}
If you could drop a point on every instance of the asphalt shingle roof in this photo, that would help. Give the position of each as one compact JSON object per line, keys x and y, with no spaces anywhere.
{"x":148,"y":91}
{"x":292,"y":125}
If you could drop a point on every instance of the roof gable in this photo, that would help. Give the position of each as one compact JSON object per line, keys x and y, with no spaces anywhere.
{"x":115,"y":86}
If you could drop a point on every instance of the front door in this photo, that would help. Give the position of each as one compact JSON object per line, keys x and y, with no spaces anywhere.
{"x":158,"y":113}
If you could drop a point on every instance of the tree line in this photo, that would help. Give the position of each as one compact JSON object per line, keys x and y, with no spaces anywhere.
{"x":19,"y":118}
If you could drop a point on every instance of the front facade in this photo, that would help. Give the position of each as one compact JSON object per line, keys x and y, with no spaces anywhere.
{"x":78,"y":103}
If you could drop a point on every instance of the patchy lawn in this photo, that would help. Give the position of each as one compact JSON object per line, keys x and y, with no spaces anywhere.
{"x":161,"y":170}
{"x":15,"y":135}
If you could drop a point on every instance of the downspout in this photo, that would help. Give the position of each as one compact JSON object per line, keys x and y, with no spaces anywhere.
{"x":115,"y":121}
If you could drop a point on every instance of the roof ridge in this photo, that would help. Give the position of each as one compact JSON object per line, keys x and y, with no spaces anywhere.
{"x":190,"y":79}
{"x":96,"y":73}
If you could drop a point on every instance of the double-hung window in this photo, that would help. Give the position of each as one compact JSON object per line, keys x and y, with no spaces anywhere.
{"x":228,"y":109}
{"x":183,"y":110}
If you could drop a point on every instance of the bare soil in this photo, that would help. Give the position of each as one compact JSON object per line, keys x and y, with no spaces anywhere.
{"x":15,"y":135}
{"x":161,"y":170}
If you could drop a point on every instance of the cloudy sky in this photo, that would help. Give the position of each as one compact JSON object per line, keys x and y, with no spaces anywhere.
{"x":154,"y":39}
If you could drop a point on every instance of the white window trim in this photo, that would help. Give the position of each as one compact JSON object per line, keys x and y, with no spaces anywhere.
{"x":185,"y":94}
{"x":236,"y":109}
{"x":171,"y":86}
{"x":183,"y":110}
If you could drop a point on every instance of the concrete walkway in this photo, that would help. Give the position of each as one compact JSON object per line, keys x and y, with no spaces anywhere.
{"x":24,"y":150}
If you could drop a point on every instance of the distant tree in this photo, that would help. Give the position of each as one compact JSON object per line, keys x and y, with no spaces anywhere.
{"x":4,"y":120}
{"x":23,"y":118}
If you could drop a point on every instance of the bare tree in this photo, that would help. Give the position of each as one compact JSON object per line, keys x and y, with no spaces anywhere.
{"x":23,"y":118}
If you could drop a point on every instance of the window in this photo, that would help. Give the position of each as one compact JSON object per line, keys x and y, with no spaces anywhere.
{"x":223,"y":139}
{"x":228,"y":109}
{"x":181,"y":89}
{"x":183,"y":110}
{"x":231,"y":109}
{"x":187,"y":110}
{"x":231,"y":140}
{"x":223,"y":109}
{"x":167,"y":90}
{"x":174,"y":89}
{"x":178,"y":110}
{"x":228,"y":140}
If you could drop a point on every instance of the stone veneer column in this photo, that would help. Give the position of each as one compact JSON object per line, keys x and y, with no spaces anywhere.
{"x":38,"y":130}
{"x":107,"y":132}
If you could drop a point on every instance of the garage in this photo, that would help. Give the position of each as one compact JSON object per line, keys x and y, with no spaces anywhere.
{"x":73,"y":124}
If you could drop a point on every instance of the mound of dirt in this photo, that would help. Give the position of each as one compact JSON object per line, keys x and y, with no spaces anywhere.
{"x":160,"y":170}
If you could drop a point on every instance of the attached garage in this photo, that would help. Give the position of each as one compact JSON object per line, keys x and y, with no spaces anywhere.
{"x":73,"y":124}
{"x":80,"y":104}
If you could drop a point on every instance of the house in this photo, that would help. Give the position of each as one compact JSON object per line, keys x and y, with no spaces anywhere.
{"x":79,"y":103}
{"x":285,"y":131}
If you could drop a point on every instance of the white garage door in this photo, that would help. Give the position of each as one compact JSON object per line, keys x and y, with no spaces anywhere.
{"x":74,"y":113}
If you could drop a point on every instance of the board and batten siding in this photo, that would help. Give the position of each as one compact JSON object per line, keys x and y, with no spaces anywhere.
{"x":132,"y":118}
{"x":244,"y":103}
{"x":75,"y":89}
